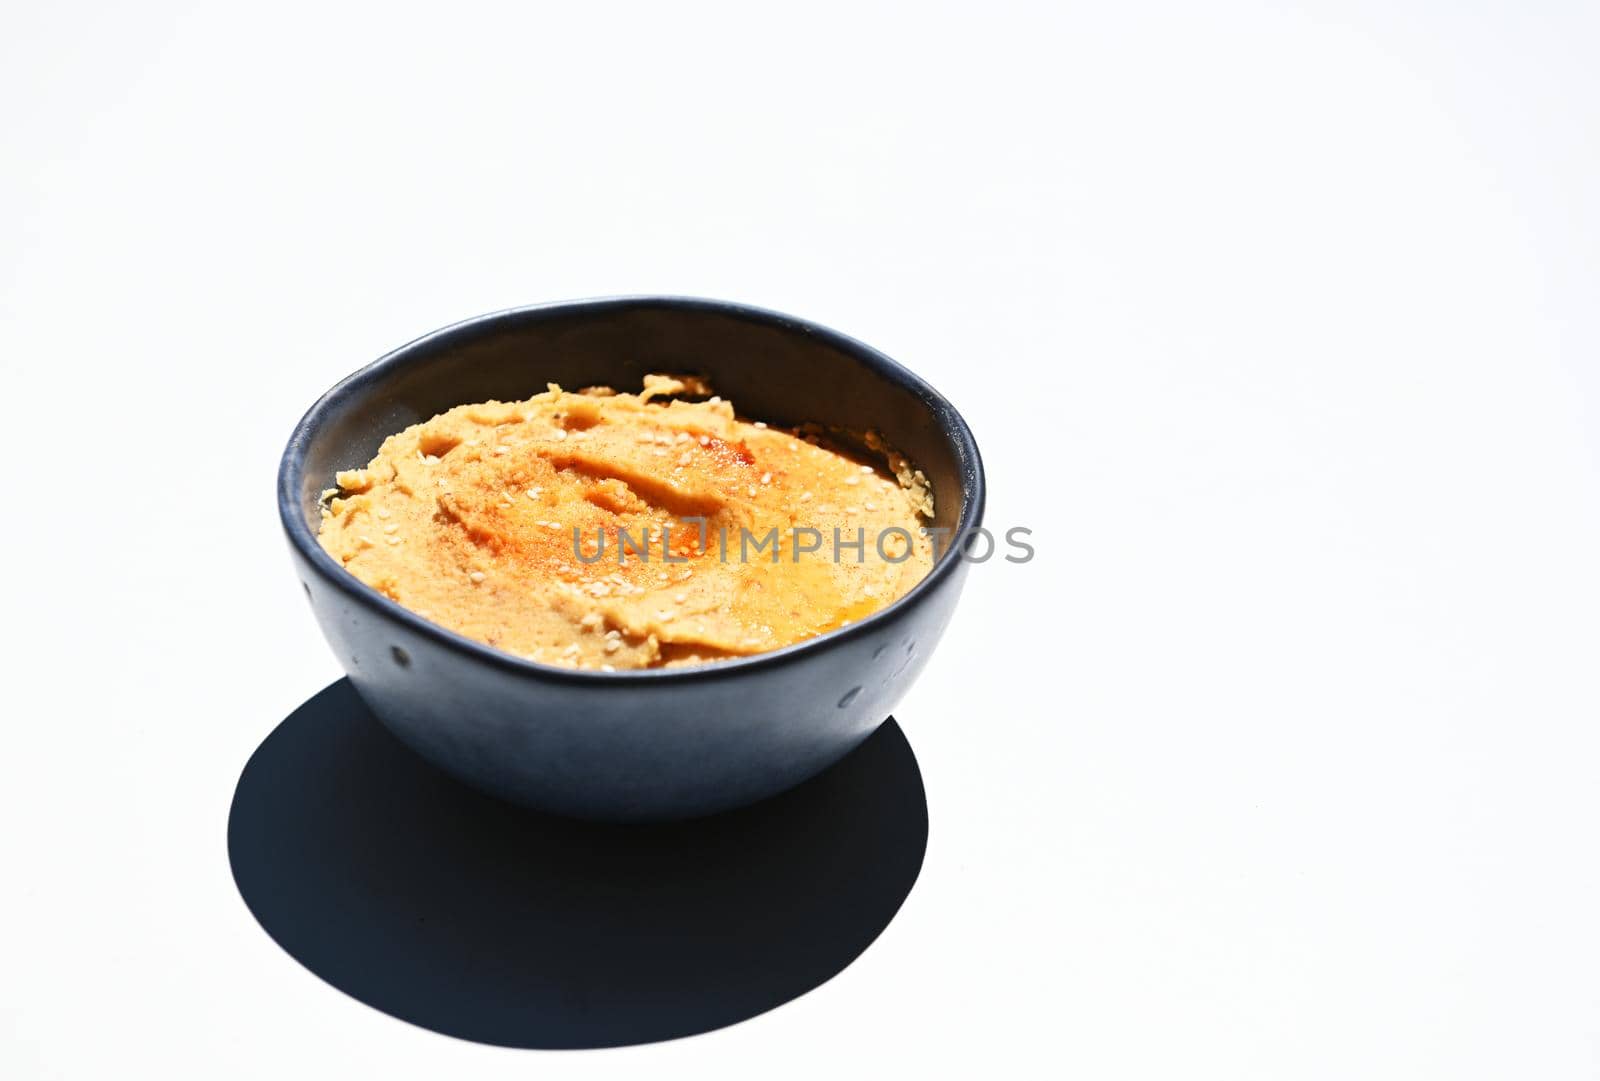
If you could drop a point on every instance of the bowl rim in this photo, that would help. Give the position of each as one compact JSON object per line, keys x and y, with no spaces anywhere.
{"x":952,"y":424}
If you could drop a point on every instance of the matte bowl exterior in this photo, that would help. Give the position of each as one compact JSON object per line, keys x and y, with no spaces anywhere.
{"x":645,"y":745}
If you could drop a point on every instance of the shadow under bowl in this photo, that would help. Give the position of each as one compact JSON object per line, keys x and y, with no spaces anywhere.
{"x":648,"y":745}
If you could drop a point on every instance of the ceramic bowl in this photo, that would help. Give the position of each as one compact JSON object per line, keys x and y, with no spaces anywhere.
{"x":631,"y":745}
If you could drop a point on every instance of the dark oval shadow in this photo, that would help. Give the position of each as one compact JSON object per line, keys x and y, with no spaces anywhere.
{"x":468,"y":916}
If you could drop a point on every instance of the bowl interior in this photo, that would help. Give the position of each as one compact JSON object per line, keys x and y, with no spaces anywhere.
{"x":772,"y":367}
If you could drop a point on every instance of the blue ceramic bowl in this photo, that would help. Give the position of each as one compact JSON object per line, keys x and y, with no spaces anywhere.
{"x":641,"y":745}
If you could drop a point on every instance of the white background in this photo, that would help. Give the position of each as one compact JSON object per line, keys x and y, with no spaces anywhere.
{"x":1275,"y":322}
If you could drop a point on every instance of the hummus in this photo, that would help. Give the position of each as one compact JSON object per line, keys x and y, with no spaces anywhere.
{"x":607,"y":531}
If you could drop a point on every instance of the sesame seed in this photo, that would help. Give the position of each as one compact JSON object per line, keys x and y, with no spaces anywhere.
{"x":681,"y":437}
{"x":680,"y":598}
{"x":761,"y":424}
{"x":612,"y":645}
{"x":383,"y":512}
{"x":705,"y":441}
{"x":366,"y":542}
{"x":866,"y":469}
{"x":533,"y":493}
{"x":570,"y":651}
{"x":477,"y":576}
{"x":391,"y":528}
{"x":805,"y":497}
{"x":851,"y":510}
{"x":766,"y":478}
{"x":751,"y":489}
{"x":608,"y":668}
{"x":393,"y":540}
{"x":870,"y":506}
{"x":502,"y":449}
{"x":666,"y":615}
{"x":852,"y":480}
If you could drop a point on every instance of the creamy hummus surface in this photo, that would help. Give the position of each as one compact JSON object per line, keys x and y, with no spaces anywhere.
{"x":607,"y":531}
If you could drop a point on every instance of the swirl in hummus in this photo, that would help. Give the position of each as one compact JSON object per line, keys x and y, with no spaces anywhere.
{"x":610,"y":531}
